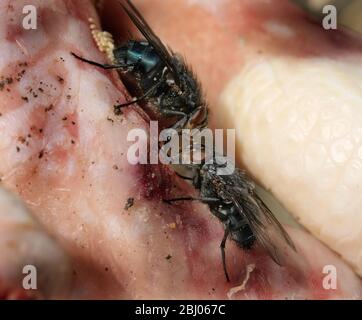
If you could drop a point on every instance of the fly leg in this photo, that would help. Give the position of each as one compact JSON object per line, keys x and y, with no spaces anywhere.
{"x":184,"y":177}
{"x":189,"y":198}
{"x":194,"y":176}
{"x":222,"y":248}
{"x":203,"y":200}
{"x":179,"y":124}
{"x":100,"y":65}
{"x":144,"y":96}
{"x":116,"y":66}
{"x":222,"y":217}
{"x":174,"y":113}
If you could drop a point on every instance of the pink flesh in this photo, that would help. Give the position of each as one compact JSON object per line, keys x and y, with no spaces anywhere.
{"x":64,"y":152}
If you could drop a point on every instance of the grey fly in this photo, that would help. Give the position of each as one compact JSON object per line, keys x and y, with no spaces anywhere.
{"x":233,"y":200}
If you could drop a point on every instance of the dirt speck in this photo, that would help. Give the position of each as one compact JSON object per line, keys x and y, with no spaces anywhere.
{"x":60,"y":79}
{"x":117,"y":110}
{"x":129,"y":203}
{"x":49,"y":108}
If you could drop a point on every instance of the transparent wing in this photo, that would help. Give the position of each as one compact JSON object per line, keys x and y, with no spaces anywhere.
{"x":266,"y":228}
{"x":147,"y":32}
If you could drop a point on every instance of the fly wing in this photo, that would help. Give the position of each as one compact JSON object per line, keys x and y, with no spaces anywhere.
{"x":147,"y":32}
{"x":266,"y":228}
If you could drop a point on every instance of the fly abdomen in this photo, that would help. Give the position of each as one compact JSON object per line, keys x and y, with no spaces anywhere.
{"x":244,"y":237}
{"x":237,"y":225}
{"x":240,"y":230}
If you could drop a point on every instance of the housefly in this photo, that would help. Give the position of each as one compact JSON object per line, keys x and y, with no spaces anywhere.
{"x":164,"y":86}
{"x":233,"y":200}
{"x":169,"y":92}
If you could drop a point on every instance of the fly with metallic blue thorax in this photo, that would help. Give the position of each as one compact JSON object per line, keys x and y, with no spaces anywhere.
{"x":162,"y":83}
